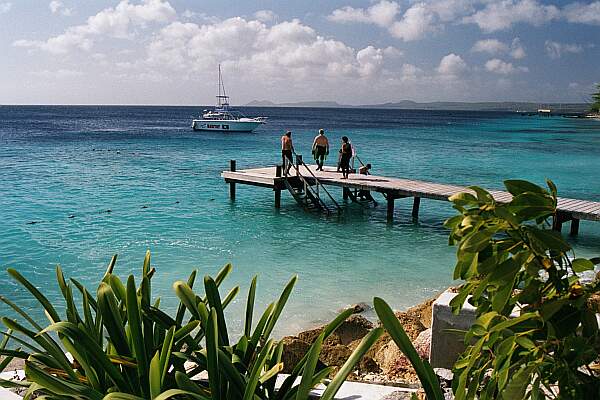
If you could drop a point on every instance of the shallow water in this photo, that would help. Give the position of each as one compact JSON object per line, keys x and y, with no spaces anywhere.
{"x":64,"y":168}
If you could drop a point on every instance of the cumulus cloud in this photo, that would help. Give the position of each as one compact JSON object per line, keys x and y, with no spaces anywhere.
{"x":517,"y":51}
{"x":556,"y":50}
{"x":114,"y":22}
{"x":5,"y":7}
{"x":416,"y":22}
{"x":57,"y":74}
{"x":452,"y":65}
{"x":382,"y":14}
{"x":265,"y":15}
{"x":498,"y":66}
{"x":288,"y":50}
{"x":57,"y":7}
{"x":490,"y":46}
{"x":501,"y":15}
{"x":583,"y":13}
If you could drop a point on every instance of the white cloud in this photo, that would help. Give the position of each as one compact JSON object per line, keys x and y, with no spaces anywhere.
{"x":452,"y":65}
{"x":556,"y":50}
{"x":498,"y":66}
{"x":583,"y":13}
{"x":415,"y":24}
{"x":5,"y":7}
{"x":57,"y":74}
{"x":288,"y":50}
{"x":501,"y":15}
{"x":517,"y":51}
{"x":265,"y":15}
{"x":114,"y":22}
{"x":490,"y":46}
{"x":57,"y":7}
{"x":382,"y":14}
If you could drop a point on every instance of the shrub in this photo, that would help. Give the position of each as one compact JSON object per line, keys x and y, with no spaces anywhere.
{"x":535,"y":330}
{"x":123,"y":346}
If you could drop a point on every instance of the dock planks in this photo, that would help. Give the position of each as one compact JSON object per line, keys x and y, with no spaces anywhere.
{"x":400,"y":187}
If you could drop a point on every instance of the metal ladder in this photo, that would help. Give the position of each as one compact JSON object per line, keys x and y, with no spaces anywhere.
{"x":308,"y":194}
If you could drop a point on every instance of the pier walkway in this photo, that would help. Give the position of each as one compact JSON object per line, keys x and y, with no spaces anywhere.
{"x":572,"y":210}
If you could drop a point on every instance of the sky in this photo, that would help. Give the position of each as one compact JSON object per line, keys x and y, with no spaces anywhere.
{"x":349,"y":51}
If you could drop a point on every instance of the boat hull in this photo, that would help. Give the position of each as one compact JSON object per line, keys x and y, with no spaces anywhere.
{"x":225,"y":126}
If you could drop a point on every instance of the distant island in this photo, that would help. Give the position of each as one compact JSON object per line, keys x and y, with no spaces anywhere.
{"x":439,"y":105}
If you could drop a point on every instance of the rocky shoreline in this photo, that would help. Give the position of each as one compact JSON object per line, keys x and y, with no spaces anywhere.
{"x":384,"y":363}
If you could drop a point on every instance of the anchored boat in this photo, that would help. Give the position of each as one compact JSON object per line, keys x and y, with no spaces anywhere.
{"x":223,"y":118}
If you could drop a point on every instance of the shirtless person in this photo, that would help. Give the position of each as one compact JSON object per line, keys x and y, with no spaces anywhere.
{"x":320,"y":149}
{"x":286,"y":151}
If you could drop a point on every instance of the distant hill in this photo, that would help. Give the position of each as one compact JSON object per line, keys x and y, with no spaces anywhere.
{"x":438,"y":105}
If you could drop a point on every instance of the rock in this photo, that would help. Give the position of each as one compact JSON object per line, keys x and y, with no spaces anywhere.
{"x":398,"y":395}
{"x":335,"y":355}
{"x":411,"y":323}
{"x":387,"y":356}
{"x":358,"y":308}
{"x":311,"y":335}
{"x":368,"y":366}
{"x":293,"y":351}
{"x":423,"y":343}
{"x":355,"y":327}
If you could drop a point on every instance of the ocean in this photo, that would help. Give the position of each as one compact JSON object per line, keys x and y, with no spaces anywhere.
{"x":81,"y":183}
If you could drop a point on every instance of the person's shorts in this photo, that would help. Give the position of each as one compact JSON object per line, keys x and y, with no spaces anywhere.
{"x":286,"y":154}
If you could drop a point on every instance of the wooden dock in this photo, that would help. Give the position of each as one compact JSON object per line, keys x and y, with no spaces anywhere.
{"x":572,"y":210}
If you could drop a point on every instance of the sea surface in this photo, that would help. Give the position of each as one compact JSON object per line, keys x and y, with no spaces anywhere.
{"x":79,"y":184}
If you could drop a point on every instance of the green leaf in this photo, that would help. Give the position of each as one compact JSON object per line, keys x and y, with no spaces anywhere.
{"x":57,"y":386}
{"x":111,"y":315}
{"x":517,"y":385}
{"x":257,"y":367}
{"x":476,"y":242}
{"x":309,"y":369}
{"x":135,"y":329}
{"x":212,"y":354}
{"x":279,"y":305}
{"x":214,"y":300}
{"x":51,"y":312}
{"x":154,"y":376}
{"x":581,"y":264}
{"x":516,"y":187}
{"x":250,"y":308}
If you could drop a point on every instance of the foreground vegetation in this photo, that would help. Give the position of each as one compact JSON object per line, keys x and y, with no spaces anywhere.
{"x":595,"y":108}
{"x":536,"y":334}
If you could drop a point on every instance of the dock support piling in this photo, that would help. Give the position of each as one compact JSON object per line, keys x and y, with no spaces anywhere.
{"x":415,"y":209}
{"x":390,"y":207}
{"x":574,"y":227}
{"x":278,"y":169}
{"x":232,"y":166}
{"x":345,"y":193}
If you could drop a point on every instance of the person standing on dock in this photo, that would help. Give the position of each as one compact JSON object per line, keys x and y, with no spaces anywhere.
{"x":286,"y":151}
{"x":320,"y":149}
{"x":346,"y":155}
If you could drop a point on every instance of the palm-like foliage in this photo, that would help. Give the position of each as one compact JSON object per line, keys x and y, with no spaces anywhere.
{"x":119,"y":344}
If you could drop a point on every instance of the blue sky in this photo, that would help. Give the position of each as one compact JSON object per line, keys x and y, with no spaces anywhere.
{"x":352,"y":52}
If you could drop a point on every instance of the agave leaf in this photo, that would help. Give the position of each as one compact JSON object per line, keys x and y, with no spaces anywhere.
{"x":357,"y":354}
{"x":181,"y":308}
{"x":309,"y":368}
{"x":165,"y":354}
{"x":111,"y":315}
{"x":83,"y":361}
{"x":178,"y":392}
{"x":187,"y":297}
{"x":250,"y":308}
{"x":8,"y":334}
{"x":146,"y":266}
{"x":59,"y":386}
{"x":258,"y":333}
{"x":154,"y":375}
{"x":222,"y":274}
{"x":85,"y":293}
{"x":424,"y":372}
{"x":122,"y":396}
{"x":135,"y":329}
{"x":22,"y":313}
{"x":185,"y":383}
{"x":94,"y":351}
{"x":118,"y":288}
{"x":276,"y":369}
{"x":214,"y":300}
{"x":230,"y":296}
{"x":110,"y":268}
{"x":279,"y":305}
{"x":255,"y":373}
{"x":212,"y":355}
{"x":235,"y":379}
{"x":54,"y":317}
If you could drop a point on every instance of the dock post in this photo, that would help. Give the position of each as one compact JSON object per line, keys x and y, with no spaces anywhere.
{"x":574,"y":226}
{"x":557,"y":222}
{"x":390,"y":207}
{"x":415,"y":210}
{"x":277,"y":189}
{"x":345,"y":193}
{"x":232,"y":184}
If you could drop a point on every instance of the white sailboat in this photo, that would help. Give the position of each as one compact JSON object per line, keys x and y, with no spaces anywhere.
{"x":223,"y":118}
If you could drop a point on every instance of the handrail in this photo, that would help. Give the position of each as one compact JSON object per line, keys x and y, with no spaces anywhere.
{"x":317,"y":181}
{"x":362,"y":163}
{"x":307,"y":185}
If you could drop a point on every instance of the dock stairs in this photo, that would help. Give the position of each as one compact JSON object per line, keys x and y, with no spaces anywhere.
{"x":307,"y":190}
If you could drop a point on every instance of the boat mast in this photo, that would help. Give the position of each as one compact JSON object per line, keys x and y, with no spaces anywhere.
{"x":222,"y":98}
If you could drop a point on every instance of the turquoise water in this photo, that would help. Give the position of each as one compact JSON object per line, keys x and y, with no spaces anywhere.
{"x":63,"y":168}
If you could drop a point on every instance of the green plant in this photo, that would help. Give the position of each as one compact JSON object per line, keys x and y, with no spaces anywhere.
{"x":427,"y":377}
{"x":119,"y":341}
{"x":124,"y":347}
{"x":536,"y":335}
